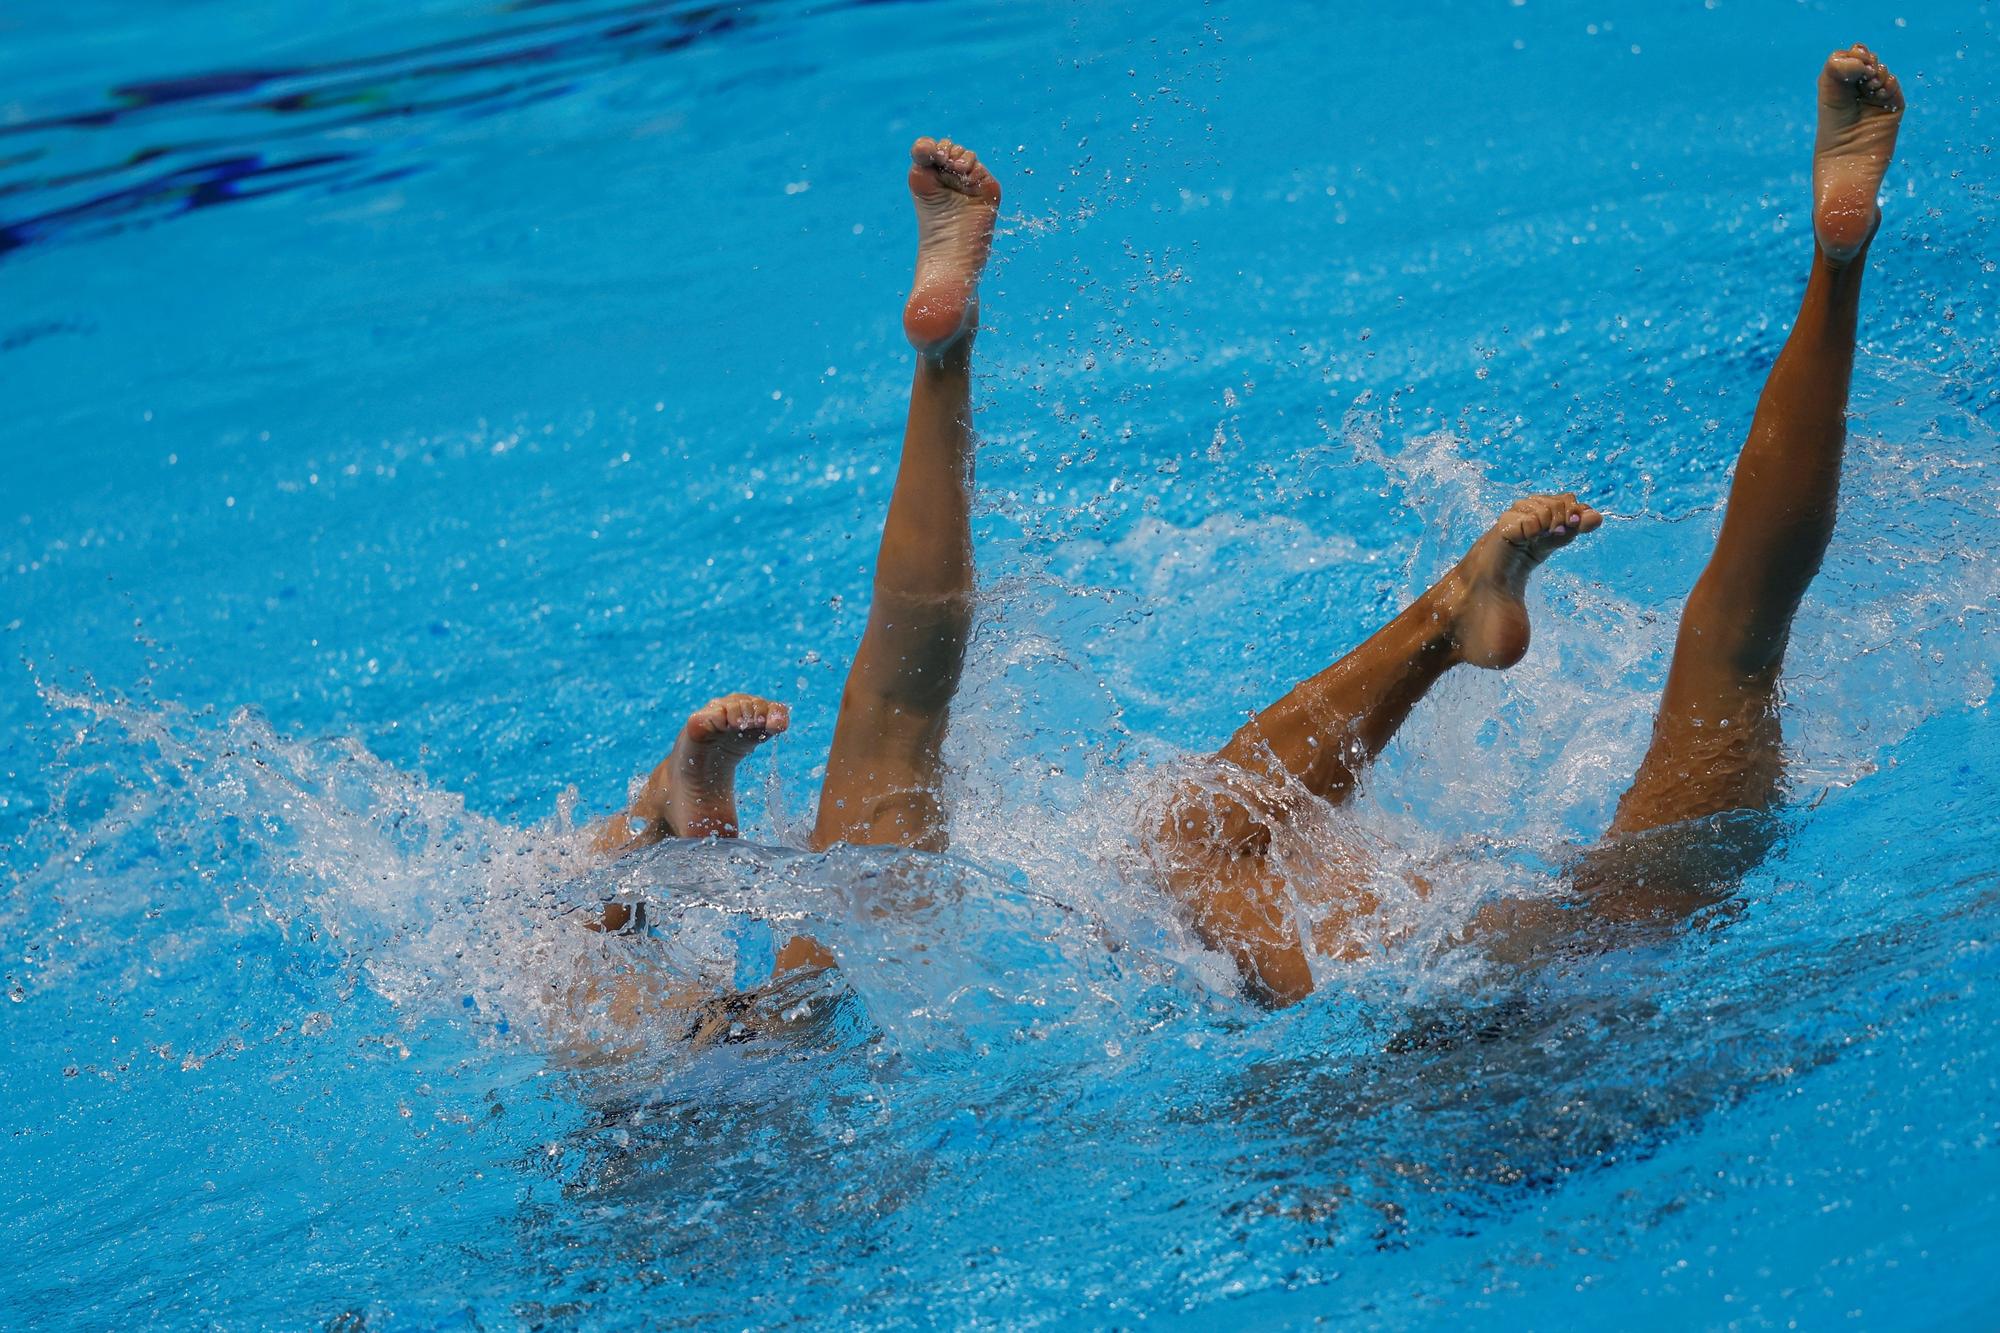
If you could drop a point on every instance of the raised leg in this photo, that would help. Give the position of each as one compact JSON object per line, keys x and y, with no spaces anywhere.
{"x":1214,"y":846}
{"x":882,"y":772}
{"x":1716,"y":740}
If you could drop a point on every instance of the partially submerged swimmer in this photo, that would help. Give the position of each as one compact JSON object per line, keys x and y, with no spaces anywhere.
{"x":1716,"y":738}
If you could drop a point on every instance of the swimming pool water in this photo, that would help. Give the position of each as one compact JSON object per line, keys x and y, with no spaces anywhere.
{"x":414,"y":410}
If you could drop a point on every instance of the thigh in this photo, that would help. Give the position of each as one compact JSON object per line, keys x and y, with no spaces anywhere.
{"x":1262,"y":889}
{"x":885,"y":814}
{"x":1716,"y":746}
{"x":882,"y":777}
{"x":883,"y":769}
{"x":1692,"y":823}
{"x":1716,"y":740}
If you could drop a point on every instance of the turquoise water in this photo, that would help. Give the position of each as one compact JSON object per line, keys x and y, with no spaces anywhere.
{"x":415,"y":409}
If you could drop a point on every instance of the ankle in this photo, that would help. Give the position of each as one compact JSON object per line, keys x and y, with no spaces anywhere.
{"x":1444,"y":607}
{"x":654,"y":805}
{"x":1841,"y":271}
{"x":954,"y":355}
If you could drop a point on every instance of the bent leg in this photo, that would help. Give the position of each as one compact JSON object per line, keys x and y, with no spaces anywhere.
{"x":1314,"y":743}
{"x":882,"y":772}
{"x":692,"y":793}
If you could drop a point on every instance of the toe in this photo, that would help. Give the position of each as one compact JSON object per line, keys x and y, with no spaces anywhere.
{"x":1555,"y":516}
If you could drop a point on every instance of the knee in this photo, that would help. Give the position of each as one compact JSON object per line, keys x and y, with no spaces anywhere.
{"x":1742,"y":636}
{"x":1215,"y":824}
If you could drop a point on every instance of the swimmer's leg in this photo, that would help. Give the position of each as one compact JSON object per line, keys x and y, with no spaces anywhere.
{"x":1319,"y":737}
{"x":882,"y":772}
{"x":1716,"y":739}
{"x":692,"y":794}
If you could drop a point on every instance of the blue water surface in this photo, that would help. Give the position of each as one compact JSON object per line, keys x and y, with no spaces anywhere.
{"x":414,"y":409}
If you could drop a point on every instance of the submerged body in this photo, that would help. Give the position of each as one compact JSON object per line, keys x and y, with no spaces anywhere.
{"x":1716,"y":743}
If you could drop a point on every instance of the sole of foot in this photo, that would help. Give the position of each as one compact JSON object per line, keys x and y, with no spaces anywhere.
{"x":957,"y":201}
{"x":1490,"y":622}
{"x":1860,"y":111}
